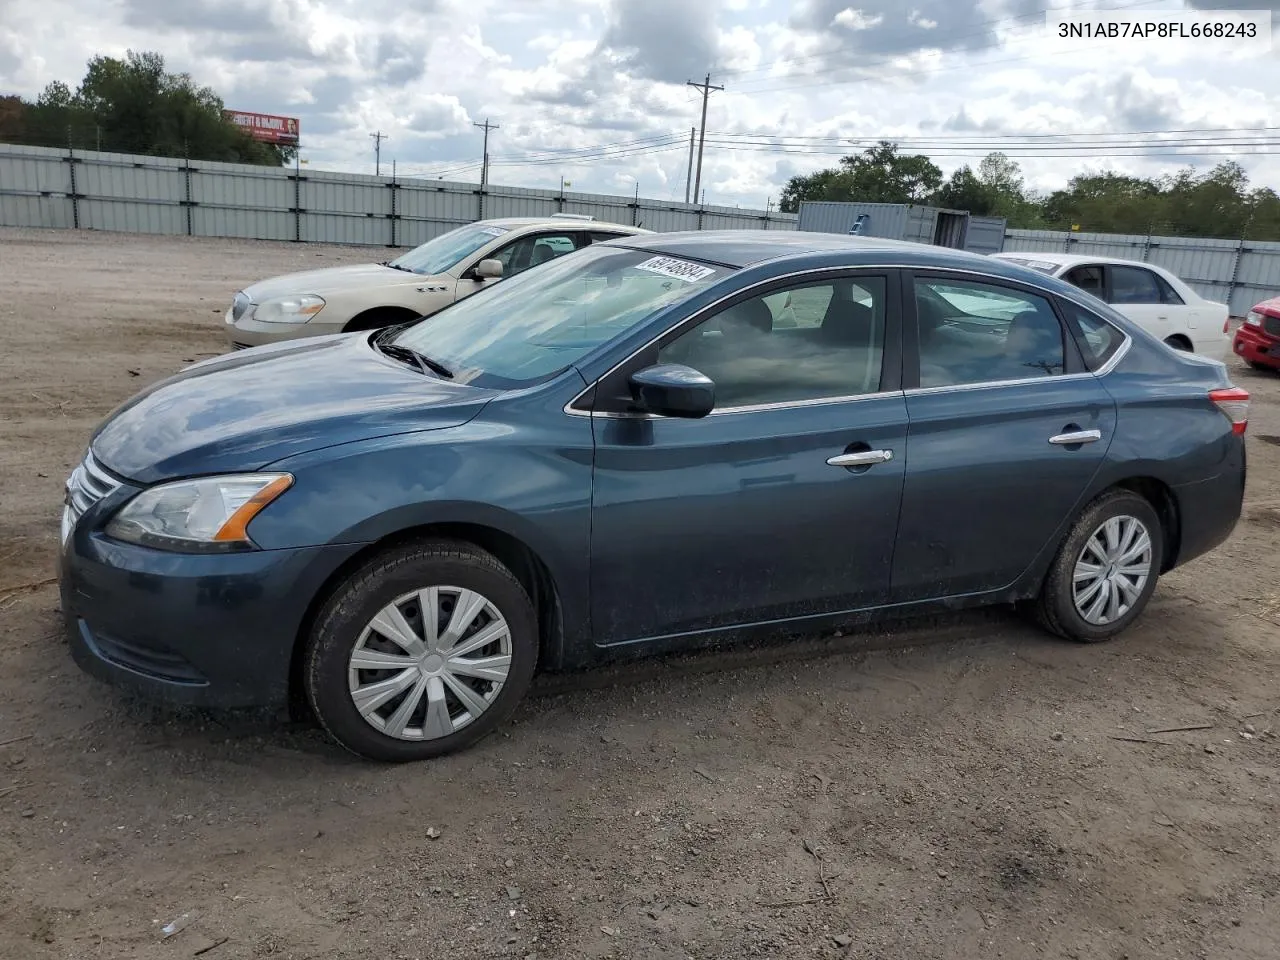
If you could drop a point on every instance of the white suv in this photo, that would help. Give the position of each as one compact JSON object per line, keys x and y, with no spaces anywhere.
{"x":415,"y":284}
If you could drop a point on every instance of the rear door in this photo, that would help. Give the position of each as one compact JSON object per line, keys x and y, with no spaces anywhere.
{"x":1007,"y":431}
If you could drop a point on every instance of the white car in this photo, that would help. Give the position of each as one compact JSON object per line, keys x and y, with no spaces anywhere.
{"x":418,"y":283}
{"x":1150,"y":296}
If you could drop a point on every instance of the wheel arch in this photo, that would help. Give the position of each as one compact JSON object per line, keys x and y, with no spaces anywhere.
{"x":383,"y":316}
{"x":516,"y":555}
{"x":1179,"y":341}
{"x":1162,"y":499}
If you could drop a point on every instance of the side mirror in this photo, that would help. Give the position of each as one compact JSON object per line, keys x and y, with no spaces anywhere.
{"x":673,"y":390}
{"x":487,"y":270}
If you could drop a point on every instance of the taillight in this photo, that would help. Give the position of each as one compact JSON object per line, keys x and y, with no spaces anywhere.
{"x":1234,"y":403}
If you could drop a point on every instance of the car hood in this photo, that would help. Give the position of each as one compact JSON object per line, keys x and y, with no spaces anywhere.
{"x":329,"y":281}
{"x":1270,"y":307}
{"x":247,"y":409}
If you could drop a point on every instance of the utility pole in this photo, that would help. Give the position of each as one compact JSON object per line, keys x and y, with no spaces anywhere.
{"x":377,"y":152}
{"x":484,"y":167}
{"x":688,"y":180}
{"x":706,"y":89}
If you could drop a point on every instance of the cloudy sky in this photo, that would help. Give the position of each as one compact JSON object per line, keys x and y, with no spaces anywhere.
{"x":594,"y":90}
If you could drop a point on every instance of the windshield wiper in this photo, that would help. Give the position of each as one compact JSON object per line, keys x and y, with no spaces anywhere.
{"x":396,"y":266}
{"x":419,"y":360}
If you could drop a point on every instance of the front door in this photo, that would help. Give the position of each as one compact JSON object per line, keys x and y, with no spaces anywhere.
{"x":1007,"y":431}
{"x":781,"y":504}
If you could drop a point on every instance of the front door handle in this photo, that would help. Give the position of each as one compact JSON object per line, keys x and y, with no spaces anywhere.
{"x":1076,"y":436}
{"x":863,"y":458}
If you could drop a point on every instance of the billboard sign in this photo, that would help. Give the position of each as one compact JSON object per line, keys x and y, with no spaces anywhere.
{"x":266,"y":127}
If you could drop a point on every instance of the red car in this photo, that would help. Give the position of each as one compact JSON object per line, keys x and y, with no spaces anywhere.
{"x":1257,"y":341}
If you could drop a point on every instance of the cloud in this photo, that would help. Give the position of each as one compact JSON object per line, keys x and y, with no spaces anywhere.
{"x":887,"y":27}
{"x":664,"y":40}
{"x":584,"y":75}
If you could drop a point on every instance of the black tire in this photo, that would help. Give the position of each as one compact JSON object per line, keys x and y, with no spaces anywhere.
{"x":1055,"y":608}
{"x":378,"y":318}
{"x":372,"y":587}
{"x":1260,"y":367}
{"x":1179,"y":344}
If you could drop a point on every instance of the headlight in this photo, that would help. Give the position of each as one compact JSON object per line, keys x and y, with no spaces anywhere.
{"x":198,"y":516}
{"x":289,"y":309}
{"x":1254,"y":319}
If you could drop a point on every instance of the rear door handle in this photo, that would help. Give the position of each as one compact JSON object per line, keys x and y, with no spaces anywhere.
{"x":863,"y":458}
{"x":1076,"y":436}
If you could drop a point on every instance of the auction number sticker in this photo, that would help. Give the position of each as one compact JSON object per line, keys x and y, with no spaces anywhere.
{"x":677,"y":269}
{"x":493,"y":231}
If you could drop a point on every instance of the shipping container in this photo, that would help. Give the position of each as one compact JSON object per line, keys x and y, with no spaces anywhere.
{"x":904,"y":221}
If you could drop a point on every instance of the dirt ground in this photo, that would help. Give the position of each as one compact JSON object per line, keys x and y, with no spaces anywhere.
{"x":969,"y":788}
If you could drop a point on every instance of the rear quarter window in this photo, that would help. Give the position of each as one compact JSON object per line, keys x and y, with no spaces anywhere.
{"x":1098,"y":339}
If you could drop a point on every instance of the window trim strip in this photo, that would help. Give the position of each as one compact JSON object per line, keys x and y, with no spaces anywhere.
{"x":697,"y":317}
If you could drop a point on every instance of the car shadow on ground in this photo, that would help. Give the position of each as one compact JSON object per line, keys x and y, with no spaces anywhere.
{"x":262,"y":738}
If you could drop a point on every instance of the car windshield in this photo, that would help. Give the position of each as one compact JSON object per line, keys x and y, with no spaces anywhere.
{"x":444,"y":252}
{"x":534,"y":325}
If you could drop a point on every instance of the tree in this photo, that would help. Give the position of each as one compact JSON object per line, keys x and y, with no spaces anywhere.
{"x":880,"y":174}
{"x":965,"y":191}
{"x":1105,"y":203}
{"x":135,"y":105}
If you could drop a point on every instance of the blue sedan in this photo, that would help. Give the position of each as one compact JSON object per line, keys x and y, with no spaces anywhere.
{"x":656,"y":442}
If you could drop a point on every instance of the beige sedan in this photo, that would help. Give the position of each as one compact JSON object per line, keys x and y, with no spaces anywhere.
{"x":426,"y":279}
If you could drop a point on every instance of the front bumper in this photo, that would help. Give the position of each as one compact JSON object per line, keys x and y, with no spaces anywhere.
{"x":210,"y":631}
{"x":1255,"y":346}
{"x":249,"y":333}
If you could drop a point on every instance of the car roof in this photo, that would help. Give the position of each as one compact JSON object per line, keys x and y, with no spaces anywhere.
{"x":742,"y":248}
{"x":1069,"y":259}
{"x":568,"y":223}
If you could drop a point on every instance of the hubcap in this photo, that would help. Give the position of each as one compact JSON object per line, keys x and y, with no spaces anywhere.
{"x":430,"y":663}
{"x":1112,"y":570}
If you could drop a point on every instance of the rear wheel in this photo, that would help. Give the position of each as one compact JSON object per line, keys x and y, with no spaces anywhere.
{"x":421,"y":652}
{"x":1179,"y":343}
{"x":1106,"y":570}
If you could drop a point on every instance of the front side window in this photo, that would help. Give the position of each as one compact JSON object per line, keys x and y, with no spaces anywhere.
{"x":447,"y":250}
{"x":1134,"y":285}
{"x":809,"y":342}
{"x":533,"y":251}
{"x":982,"y":333}
{"x":518,"y":332}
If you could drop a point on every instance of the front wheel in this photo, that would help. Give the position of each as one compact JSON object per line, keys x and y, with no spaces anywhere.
{"x":1105,"y":572}
{"x":421,"y":652}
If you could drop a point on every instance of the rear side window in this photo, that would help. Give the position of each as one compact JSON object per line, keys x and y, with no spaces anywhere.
{"x":1098,"y":339}
{"x":1167,"y":293}
{"x":982,"y":333}
{"x":1134,"y":285}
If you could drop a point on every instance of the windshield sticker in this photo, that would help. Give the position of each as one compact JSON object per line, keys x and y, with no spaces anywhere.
{"x":493,"y":231}
{"x":679,"y":269}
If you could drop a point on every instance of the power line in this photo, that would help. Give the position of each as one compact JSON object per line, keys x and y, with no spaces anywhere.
{"x":905,"y":139}
{"x":706,"y":89}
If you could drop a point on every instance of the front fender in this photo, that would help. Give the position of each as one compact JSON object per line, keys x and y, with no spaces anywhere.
{"x":530,"y":482}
